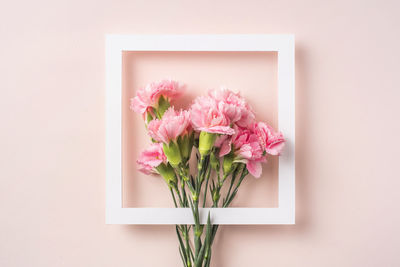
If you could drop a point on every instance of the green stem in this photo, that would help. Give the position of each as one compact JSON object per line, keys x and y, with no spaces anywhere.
{"x":205,"y":194}
{"x":233,"y":178}
{"x":173,"y":197}
{"x":189,"y":252}
{"x":185,"y":249}
{"x":179,"y":196}
{"x":185,"y":256}
{"x":197,"y":230}
{"x":232,"y":196}
{"x":203,"y":172}
{"x":227,"y":200}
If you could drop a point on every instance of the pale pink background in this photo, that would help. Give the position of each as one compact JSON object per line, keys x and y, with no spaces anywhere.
{"x":52,"y":138}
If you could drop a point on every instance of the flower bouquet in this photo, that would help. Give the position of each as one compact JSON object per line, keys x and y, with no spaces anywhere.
{"x":214,"y":144}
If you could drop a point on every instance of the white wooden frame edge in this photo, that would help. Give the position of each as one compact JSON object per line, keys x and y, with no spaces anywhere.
{"x":283,"y":44}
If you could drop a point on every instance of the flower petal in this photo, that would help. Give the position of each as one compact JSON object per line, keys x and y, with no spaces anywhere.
{"x":254,"y":168}
{"x":225,"y":148}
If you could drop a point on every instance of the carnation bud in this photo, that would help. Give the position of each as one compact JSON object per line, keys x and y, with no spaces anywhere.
{"x":173,"y":153}
{"x":228,"y":162}
{"x":214,"y":161}
{"x":185,"y":145}
{"x":167,"y":172}
{"x":206,"y":143}
{"x":216,"y":195}
{"x":195,"y":196}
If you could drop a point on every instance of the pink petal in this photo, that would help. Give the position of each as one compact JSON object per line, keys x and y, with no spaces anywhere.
{"x":225,"y":148}
{"x":275,"y":148}
{"x":137,"y":105}
{"x":254,"y":168}
{"x":218,"y":129}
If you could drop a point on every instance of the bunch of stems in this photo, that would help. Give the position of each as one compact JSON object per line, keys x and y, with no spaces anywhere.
{"x":190,"y":191}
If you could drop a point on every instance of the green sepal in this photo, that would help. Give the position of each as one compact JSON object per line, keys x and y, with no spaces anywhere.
{"x":163,"y":105}
{"x":228,"y":162}
{"x":149,"y":117}
{"x":173,"y":153}
{"x":216,"y":196}
{"x":214,"y":161}
{"x":206,"y":143}
{"x":185,"y":145}
{"x":167,"y":172}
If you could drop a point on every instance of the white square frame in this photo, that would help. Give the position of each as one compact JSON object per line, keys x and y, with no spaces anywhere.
{"x":116,"y":44}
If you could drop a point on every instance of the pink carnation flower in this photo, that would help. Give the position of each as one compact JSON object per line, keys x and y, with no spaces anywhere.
{"x":247,"y":149}
{"x":233,"y":106}
{"x":172,"y":125}
{"x":206,"y":116}
{"x":151,"y":158}
{"x":148,"y":96}
{"x":271,"y":141}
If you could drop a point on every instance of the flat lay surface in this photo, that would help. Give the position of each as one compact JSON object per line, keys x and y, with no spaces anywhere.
{"x":52,"y":106}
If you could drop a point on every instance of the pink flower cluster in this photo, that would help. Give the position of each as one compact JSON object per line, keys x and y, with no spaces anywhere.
{"x":221,"y":112}
{"x":251,"y":145}
{"x":148,"y":96}
{"x":227,"y":113}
